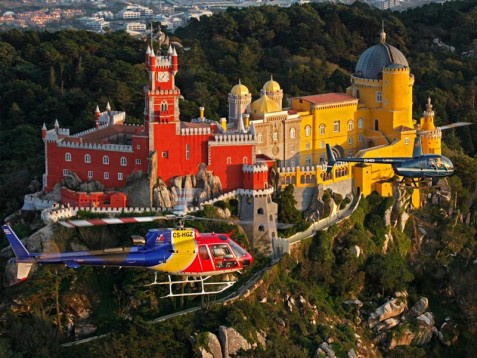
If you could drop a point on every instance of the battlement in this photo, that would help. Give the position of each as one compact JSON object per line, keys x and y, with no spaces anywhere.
{"x":432,"y":134}
{"x":163,"y":92}
{"x":52,"y":134}
{"x":233,"y":138}
{"x":163,"y":61}
{"x":114,"y":117}
{"x":396,"y":69}
{"x":255,"y":168}
{"x":195,"y":131}
{"x":249,"y":192}
{"x":95,"y":146}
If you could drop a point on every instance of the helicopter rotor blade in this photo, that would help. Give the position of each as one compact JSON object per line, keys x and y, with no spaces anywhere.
{"x":113,"y":221}
{"x":454,"y":125}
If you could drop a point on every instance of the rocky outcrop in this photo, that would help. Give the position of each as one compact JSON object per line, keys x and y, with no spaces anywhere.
{"x":417,"y":309}
{"x":232,"y":341}
{"x":392,"y":308}
{"x":162,"y":197}
{"x":325,"y":350}
{"x":212,"y":348}
{"x":448,"y":334}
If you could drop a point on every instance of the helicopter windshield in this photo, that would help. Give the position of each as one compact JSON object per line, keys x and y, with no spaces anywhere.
{"x":238,"y":251}
{"x":446,"y":163}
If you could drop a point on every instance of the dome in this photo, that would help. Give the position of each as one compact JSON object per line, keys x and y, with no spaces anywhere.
{"x":271,"y":86}
{"x":239,"y":90}
{"x":264,"y":105}
{"x":375,"y":58}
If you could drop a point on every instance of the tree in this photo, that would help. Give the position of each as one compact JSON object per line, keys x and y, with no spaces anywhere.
{"x":388,"y":273}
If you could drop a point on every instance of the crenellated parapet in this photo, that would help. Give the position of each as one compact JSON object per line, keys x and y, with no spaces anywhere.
{"x":163,"y":92}
{"x":255,"y":193}
{"x":255,"y":168}
{"x":94,"y":146}
{"x":195,"y":131}
{"x":233,"y":138}
{"x":431,"y":134}
{"x":163,"y":61}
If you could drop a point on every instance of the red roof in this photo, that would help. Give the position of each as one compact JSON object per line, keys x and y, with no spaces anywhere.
{"x":328,"y":98}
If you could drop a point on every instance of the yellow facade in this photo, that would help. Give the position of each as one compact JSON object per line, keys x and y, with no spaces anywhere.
{"x":372,"y":119}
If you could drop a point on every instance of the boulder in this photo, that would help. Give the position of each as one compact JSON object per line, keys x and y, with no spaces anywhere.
{"x":326,"y":350}
{"x":213,"y":348}
{"x":417,"y":309}
{"x":401,"y":337}
{"x":392,"y":308}
{"x":425,"y":328}
{"x":232,"y":341}
{"x":387,"y":324}
{"x":448,"y":334}
{"x":355,"y":251}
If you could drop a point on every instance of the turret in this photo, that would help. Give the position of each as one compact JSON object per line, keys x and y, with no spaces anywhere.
{"x":43,"y":131}
{"x":96,"y":117}
{"x":57,"y":126}
{"x":175,"y":65}
{"x":201,"y":113}
{"x":152,"y":59}
{"x":223,"y":124}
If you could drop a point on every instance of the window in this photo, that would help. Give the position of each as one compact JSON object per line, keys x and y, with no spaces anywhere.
{"x":350,"y":125}
{"x":350,"y":154}
{"x":138,"y":146}
{"x":138,"y":161}
{"x":292,"y":148}
{"x":275,"y":136}
{"x":336,"y":126}
{"x":307,"y":131}
{"x":229,"y":160}
{"x":260,"y":211}
{"x":322,"y":158}
{"x":65,"y":172}
{"x":406,"y":140}
{"x":164,"y":154}
{"x":244,"y":160}
{"x":106,"y":175}
{"x":360,"y":123}
{"x":259,"y":138}
{"x":360,"y":138}
{"x":120,"y":176}
{"x":292,"y":133}
{"x":350,"y":140}
{"x":261,"y":228}
{"x":308,"y":160}
{"x":379,"y":97}
{"x":105,"y":160}
{"x":187,"y":153}
{"x":204,"y":254}
{"x":87,"y":158}
{"x":307,"y":146}
{"x":322,"y":129}
{"x":90,"y":174}
{"x":67,"y":157}
{"x":124,"y":161}
{"x":376,"y":125}
{"x":322,"y":144}
{"x":164,"y":106}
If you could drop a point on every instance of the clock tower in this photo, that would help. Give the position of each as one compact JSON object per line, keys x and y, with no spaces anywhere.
{"x":161,"y":94}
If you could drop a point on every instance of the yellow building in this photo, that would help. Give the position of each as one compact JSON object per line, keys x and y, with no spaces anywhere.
{"x":372,"y":119}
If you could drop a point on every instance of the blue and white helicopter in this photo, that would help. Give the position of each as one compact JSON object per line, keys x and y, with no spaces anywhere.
{"x":420,"y":166}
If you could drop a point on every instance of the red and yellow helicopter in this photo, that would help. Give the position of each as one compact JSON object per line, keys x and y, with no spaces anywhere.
{"x":185,"y":252}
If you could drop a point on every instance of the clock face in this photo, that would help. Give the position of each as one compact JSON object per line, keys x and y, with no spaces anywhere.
{"x":163,"y":76}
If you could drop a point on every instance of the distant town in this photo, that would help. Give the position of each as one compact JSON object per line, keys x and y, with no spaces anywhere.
{"x":101,"y":16}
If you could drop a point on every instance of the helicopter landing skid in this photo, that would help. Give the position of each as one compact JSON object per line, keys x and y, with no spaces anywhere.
{"x":206,"y":288}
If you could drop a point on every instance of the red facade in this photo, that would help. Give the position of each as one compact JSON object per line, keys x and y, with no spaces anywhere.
{"x":111,"y":152}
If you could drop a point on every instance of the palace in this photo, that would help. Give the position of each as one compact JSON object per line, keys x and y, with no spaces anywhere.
{"x":373,"y":118}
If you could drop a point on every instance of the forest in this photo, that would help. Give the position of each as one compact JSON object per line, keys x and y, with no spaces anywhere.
{"x":308,"y":49}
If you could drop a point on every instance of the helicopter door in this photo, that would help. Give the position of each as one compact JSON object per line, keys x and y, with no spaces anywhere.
{"x":205,"y":260}
{"x":223,"y":256}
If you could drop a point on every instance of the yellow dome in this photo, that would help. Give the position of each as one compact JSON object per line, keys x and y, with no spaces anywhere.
{"x":239,"y":90}
{"x":271,"y":86}
{"x":265,"y":105}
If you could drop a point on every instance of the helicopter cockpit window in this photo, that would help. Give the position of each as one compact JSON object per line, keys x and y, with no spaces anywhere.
{"x":432,"y":163}
{"x":204,"y":253}
{"x":239,"y":252}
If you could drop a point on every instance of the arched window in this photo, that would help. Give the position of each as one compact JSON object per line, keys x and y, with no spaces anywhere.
{"x":163,"y":106}
{"x":322,"y":129}
{"x":308,"y":131}
{"x":261,"y":228}
{"x":124,"y":161}
{"x":275,"y":136}
{"x":379,"y":97}
{"x":105,"y":160}
{"x":260,"y":211}
{"x":308,"y":160}
{"x":87,"y":158}
{"x":360,"y":123}
{"x":259,"y":138}
{"x":67,"y":157}
{"x":292,"y":133}
{"x":350,"y":125}
{"x":350,"y":140}
{"x":187,"y":153}
{"x":376,"y":125}
{"x":244,"y":160}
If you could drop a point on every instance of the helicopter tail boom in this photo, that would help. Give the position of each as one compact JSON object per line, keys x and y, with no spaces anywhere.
{"x":331,"y":159}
